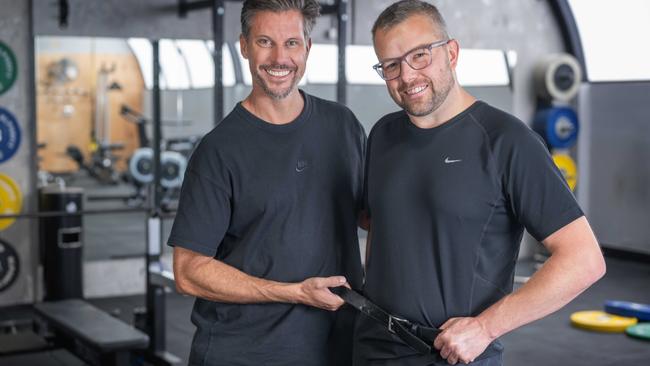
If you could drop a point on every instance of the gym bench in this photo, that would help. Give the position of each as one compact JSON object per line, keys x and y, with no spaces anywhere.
{"x":92,"y":334}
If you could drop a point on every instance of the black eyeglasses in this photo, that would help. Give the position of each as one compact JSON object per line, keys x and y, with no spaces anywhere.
{"x":417,"y":59}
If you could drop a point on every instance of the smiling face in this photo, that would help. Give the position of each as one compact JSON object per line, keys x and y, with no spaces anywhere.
{"x":277,"y":52}
{"x":418,"y":92}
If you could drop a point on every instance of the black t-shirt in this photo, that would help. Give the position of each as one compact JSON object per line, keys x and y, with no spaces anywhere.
{"x":278,"y":202}
{"x":448,"y":207}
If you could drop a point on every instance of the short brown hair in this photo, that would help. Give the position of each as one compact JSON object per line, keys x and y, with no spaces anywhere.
{"x":310,"y":10}
{"x":401,"y":10}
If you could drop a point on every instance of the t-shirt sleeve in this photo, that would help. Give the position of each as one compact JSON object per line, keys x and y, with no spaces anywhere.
{"x":204,"y":206}
{"x":536,"y":190}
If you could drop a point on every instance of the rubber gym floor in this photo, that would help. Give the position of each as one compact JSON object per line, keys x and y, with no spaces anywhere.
{"x":550,"y":341}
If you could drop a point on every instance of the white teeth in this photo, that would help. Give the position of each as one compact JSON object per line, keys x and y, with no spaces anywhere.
{"x":416,"y":90}
{"x":279,"y":73}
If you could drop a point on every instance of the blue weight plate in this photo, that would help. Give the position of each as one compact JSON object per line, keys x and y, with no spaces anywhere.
{"x":9,"y":135}
{"x":629,"y":309}
{"x":558,"y":126}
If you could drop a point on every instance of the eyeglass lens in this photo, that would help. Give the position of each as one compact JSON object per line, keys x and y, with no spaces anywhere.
{"x":416,"y":59}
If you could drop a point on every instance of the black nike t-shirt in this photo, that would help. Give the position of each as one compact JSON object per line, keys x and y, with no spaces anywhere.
{"x":279,"y":202}
{"x":448,"y":207}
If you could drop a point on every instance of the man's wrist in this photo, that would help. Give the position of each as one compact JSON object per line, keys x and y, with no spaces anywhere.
{"x":488,"y":327}
{"x":282,"y":292}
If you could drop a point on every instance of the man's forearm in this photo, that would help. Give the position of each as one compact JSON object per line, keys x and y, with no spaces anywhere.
{"x":563,"y":277}
{"x":217,"y":281}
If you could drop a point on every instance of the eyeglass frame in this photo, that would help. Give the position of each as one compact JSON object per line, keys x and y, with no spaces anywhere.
{"x":402,"y":58}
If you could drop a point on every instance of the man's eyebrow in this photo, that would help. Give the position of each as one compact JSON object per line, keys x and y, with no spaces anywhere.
{"x":405,"y":53}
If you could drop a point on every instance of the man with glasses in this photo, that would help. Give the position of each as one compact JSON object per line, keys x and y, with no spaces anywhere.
{"x":451,"y":183}
{"x":267,"y":219}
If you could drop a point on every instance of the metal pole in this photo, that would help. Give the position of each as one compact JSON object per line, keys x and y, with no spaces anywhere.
{"x":342,"y":17}
{"x":155,"y":300}
{"x":218,"y":11}
{"x":156,"y":121}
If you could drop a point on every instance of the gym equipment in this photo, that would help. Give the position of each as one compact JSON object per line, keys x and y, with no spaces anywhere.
{"x":172,"y":165}
{"x":641,"y":331}
{"x":101,"y":163}
{"x":141,"y":165}
{"x":139,"y":120}
{"x":558,"y":126}
{"x":557,"y":77}
{"x":63,"y":71}
{"x":9,"y":135}
{"x":61,"y":242}
{"x":94,"y":335}
{"x":8,"y":68}
{"x":600,"y":321}
{"x":629,"y":309}
{"x":173,"y":161}
{"x":11,"y":200}
{"x":568,"y":169}
{"x":102,"y":158}
{"x":9,"y":265}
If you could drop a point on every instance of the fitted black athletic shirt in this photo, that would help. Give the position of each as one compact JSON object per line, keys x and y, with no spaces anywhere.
{"x":448,"y":207}
{"x":278,"y":202}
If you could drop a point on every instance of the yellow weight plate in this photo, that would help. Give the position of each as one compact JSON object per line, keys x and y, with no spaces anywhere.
{"x":600,"y":321}
{"x":568,"y":168}
{"x":11,"y":200}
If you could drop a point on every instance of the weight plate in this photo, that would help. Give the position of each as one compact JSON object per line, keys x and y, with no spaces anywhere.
{"x":9,"y":135}
{"x":9,"y":265}
{"x":641,"y":331}
{"x":558,"y":77}
{"x":629,"y":309}
{"x":558,"y":126}
{"x":8,"y":68}
{"x":600,"y":321}
{"x":568,"y":169}
{"x":141,"y":165}
{"x":172,"y":169}
{"x":11,"y":200}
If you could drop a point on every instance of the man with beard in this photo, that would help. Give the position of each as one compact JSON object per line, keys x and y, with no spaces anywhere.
{"x":451,"y":183}
{"x":267,"y":218}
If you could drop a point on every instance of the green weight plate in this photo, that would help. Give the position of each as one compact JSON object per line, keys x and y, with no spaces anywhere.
{"x":641,"y":331}
{"x":8,"y":68}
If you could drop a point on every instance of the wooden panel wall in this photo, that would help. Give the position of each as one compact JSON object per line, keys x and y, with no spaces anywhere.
{"x":66,"y":111}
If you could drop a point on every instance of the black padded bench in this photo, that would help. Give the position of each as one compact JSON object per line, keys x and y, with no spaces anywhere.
{"x":92,"y":334}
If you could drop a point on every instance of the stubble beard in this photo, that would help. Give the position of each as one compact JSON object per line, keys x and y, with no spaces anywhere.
{"x":277,"y":94}
{"x":439,"y":93}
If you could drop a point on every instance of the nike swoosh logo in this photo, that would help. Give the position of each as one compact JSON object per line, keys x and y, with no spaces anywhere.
{"x":301,"y":165}
{"x":449,"y":161}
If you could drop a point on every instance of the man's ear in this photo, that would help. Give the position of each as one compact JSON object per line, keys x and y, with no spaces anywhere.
{"x":308,"y":44}
{"x":243,"y":46}
{"x":452,"y":52}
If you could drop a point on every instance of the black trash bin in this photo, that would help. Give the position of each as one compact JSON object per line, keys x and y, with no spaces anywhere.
{"x":61,"y":242}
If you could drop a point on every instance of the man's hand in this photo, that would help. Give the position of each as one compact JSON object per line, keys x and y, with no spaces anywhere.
{"x":315,"y":292}
{"x":462,"y":340}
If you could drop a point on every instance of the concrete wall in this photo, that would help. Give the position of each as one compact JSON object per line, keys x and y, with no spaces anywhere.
{"x":15,"y":31}
{"x":614,"y":158}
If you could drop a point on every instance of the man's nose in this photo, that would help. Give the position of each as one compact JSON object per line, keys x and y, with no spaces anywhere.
{"x":280,"y":55}
{"x":407,"y":73}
